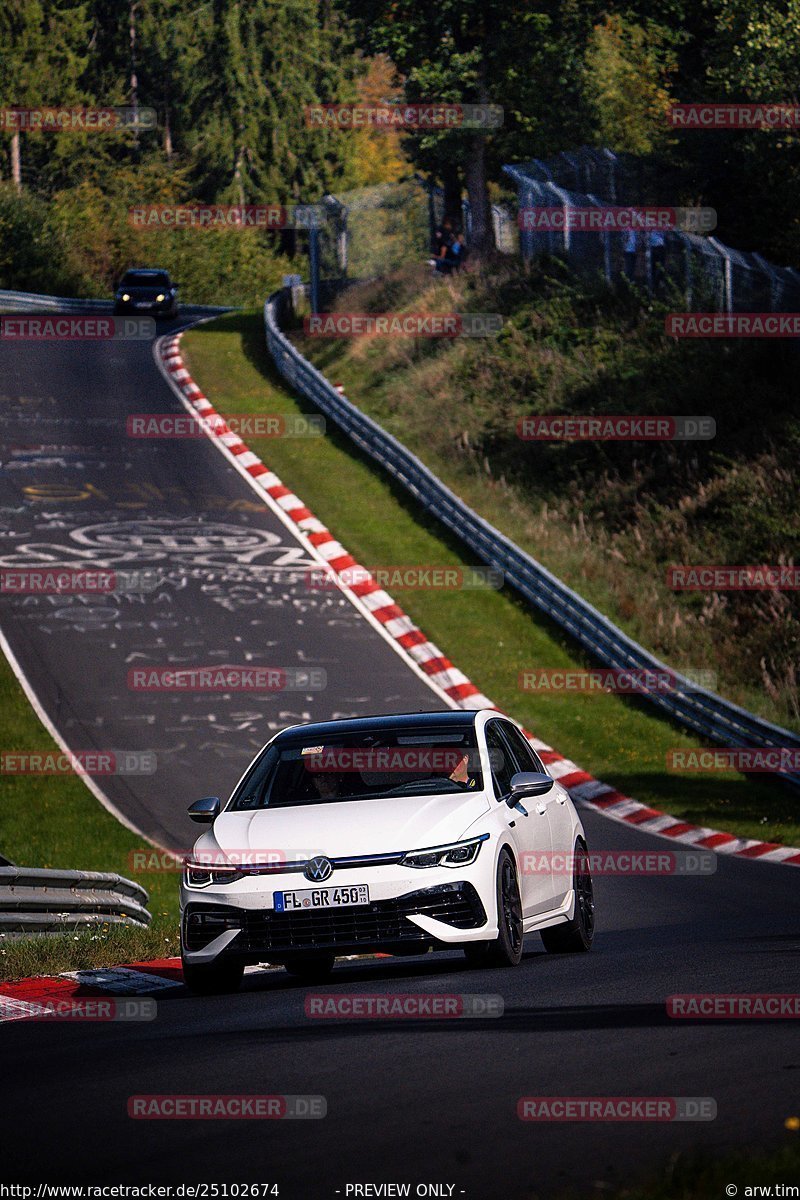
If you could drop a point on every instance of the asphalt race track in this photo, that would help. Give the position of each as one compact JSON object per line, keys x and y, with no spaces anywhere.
{"x":408,"y":1100}
{"x":233,"y":586}
{"x":433,"y":1100}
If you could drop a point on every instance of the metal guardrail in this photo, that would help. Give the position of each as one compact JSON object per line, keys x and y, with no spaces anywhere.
{"x":33,"y":302}
{"x":37,"y":303}
{"x":34,"y":900}
{"x":690,"y":705}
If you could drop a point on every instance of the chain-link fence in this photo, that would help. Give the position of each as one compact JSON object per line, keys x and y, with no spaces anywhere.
{"x":710,"y":275}
{"x":368,"y":233}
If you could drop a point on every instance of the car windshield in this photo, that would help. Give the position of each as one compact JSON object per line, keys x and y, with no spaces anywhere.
{"x":159,"y":279}
{"x":361,"y":766}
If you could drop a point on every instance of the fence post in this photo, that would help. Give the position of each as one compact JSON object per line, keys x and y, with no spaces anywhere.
{"x":689,"y":274}
{"x":563,"y":196}
{"x":606,"y":236}
{"x":722,"y":250}
{"x":313,"y":263}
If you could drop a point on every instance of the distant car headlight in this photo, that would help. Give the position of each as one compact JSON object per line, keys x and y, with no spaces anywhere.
{"x":125,"y":296}
{"x":200,"y":874}
{"x":455,"y":854}
{"x":160,"y":297}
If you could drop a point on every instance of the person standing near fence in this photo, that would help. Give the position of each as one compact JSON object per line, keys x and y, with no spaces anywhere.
{"x":630,"y":248}
{"x":443,"y":239}
{"x":658,"y":257}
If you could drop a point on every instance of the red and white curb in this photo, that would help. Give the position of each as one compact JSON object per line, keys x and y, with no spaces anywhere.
{"x":424,"y":656}
{"x":37,"y":999}
{"x":55,"y":997}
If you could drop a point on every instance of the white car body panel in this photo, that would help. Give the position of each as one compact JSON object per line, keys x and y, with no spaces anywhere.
{"x":531,"y":830}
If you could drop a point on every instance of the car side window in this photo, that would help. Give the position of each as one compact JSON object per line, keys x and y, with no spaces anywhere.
{"x":528,"y":758}
{"x":500,"y":759}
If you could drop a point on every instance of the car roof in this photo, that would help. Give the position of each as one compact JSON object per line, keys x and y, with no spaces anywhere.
{"x":146,"y":271}
{"x":448,"y":718}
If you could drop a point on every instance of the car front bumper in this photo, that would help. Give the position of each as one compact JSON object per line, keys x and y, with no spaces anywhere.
{"x":153,"y":308}
{"x":403,"y":915}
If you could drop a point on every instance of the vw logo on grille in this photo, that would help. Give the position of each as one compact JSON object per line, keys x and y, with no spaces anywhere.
{"x":318,"y":868}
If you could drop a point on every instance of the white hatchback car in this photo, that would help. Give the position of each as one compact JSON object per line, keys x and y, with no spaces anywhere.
{"x":393,"y":833}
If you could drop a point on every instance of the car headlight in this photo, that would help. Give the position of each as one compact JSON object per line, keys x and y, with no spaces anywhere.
{"x":125,"y":296}
{"x":455,"y":854}
{"x":200,"y":874}
{"x":160,"y":297}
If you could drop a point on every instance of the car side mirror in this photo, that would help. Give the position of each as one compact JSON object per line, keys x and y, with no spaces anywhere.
{"x":528,"y":783}
{"x":206,"y":810}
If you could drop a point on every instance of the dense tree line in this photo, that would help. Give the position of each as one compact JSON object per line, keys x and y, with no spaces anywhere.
{"x":231,"y":81}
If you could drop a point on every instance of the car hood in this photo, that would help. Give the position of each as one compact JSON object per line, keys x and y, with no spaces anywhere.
{"x":379,"y":826}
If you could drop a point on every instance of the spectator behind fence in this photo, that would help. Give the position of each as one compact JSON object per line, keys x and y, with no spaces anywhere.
{"x":443,"y":240}
{"x":458,"y":252}
{"x":658,"y":256}
{"x":630,"y":248}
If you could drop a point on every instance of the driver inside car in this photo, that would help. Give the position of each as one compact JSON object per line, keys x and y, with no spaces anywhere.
{"x":460,"y":773}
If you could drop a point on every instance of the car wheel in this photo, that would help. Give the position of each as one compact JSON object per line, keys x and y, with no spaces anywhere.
{"x":311,"y":968}
{"x":213,"y":979}
{"x":576,"y":935}
{"x":506,"y":949}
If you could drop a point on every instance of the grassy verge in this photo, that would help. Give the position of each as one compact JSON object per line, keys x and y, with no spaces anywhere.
{"x":107,"y":946}
{"x":489,"y":635}
{"x":698,"y":1177}
{"x":609,"y":518}
{"x":48,"y":821}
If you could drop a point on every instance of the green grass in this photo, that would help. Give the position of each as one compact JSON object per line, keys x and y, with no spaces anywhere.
{"x":107,"y":946}
{"x":699,"y":1177}
{"x":608,"y":518}
{"x":55,"y":821}
{"x":490,"y":635}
